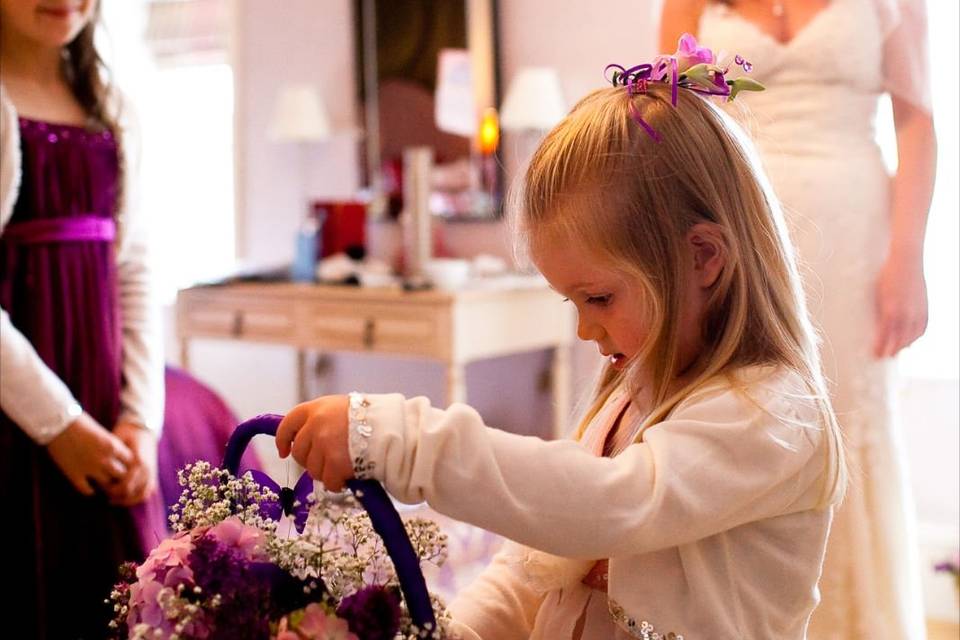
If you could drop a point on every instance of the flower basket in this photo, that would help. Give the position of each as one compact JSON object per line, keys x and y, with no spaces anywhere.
{"x":252,"y":560}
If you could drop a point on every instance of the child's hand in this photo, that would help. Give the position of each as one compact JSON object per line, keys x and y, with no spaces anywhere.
{"x":141,"y":479}
{"x":317,"y":433}
{"x":86,"y":452}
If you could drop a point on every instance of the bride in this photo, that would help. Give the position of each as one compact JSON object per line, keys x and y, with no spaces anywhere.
{"x":859,"y":233}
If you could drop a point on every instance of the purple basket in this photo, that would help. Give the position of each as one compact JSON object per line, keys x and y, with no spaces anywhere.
{"x":386,"y":521}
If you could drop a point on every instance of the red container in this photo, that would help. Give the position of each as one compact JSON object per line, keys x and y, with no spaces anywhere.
{"x":343,"y":225}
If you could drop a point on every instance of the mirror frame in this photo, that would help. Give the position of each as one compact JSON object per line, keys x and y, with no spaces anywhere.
{"x":483,"y":38}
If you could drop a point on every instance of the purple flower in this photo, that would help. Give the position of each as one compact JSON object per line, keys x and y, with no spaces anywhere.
{"x":223,"y":571}
{"x":689,"y":53}
{"x":373,"y":613}
{"x":949,"y":566}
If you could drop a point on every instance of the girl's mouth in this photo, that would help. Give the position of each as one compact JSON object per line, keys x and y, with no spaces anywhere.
{"x":618,"y":361}
{"x":57,"y":12}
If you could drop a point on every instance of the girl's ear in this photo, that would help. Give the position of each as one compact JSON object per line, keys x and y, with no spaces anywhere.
{"x":708,"y":250}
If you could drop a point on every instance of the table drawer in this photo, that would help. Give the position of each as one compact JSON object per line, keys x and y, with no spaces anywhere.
{"x":376,"y":328}
{"x":239,"y":321}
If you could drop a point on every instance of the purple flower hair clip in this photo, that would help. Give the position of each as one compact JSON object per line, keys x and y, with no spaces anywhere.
{"x":692,"y":67}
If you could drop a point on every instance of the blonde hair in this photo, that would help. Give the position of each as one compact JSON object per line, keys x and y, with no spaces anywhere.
{"x":599,"y":178}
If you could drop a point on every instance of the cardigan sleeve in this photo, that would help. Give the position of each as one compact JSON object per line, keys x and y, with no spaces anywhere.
{"x":500,"y":604}
{"x":141,"y":395}
{"x":722,"y":459}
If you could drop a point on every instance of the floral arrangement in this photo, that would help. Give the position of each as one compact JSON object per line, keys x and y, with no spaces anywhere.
{"x":951,"y":566}
{"x":232,"y":570}
{"x":691,"y":67}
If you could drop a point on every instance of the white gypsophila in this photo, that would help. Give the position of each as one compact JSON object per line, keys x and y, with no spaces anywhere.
{"x":211,"y":495}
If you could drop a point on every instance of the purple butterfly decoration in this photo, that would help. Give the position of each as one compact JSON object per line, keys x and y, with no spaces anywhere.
{"x":292,"y":502}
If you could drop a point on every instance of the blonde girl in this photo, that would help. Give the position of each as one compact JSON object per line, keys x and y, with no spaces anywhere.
{"x":697,"y":495}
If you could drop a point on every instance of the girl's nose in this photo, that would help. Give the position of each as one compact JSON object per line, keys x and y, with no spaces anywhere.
{"x":587,"y":331}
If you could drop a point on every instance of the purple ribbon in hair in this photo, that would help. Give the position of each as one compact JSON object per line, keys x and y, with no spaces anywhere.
{"x":692,"y":67}
{"x":635,"y":79}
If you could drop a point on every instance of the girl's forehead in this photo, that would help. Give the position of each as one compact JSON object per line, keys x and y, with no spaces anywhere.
{"x":569,"y":264}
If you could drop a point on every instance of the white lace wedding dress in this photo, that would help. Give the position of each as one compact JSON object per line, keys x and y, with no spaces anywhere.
{"x":814,"y":128}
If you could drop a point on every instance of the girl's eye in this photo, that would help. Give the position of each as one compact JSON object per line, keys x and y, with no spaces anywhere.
{"x":600,"y":301}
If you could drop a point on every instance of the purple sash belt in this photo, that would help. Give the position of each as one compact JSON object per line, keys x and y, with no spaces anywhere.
{"x":88,"y":228}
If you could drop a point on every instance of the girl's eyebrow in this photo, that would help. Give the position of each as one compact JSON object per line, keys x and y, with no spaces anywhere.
{"x":579,"y":286}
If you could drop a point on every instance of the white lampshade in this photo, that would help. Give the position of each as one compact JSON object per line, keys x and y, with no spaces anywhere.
{"x":299,"y":115}
{"x":534,"y":100}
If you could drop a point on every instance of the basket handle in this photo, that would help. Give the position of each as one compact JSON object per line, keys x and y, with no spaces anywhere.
{"x":386,"y":521}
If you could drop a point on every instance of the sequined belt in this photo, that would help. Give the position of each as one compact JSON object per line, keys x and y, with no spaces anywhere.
{"x":85,"y":228}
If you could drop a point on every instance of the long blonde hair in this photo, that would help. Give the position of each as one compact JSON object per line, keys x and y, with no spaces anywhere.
{"x":600,"y":179}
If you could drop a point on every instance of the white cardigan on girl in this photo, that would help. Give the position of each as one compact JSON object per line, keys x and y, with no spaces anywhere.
{"x":710,"y":523}
{"x":30,"y":393}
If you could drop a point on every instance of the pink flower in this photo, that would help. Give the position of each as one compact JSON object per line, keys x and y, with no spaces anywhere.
{"x":317,"y":624}
{"x":172,"y":552}
{"x":250,"y":540}
{"x":689,"y":53}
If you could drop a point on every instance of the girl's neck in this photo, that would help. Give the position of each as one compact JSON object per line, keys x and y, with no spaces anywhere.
{"x":29,"y":61}
{"x":33,"y":79}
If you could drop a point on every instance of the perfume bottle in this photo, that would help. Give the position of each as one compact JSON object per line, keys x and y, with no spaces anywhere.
{"x":304,"y":268}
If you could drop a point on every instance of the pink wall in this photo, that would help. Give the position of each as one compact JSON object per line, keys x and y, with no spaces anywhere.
{"x":304,"y":40}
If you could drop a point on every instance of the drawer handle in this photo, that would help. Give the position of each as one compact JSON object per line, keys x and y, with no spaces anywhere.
{"x":237,"y":328}
{"x":368,"y":328}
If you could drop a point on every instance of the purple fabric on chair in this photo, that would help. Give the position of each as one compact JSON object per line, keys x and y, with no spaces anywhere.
{"x":196,"y":426}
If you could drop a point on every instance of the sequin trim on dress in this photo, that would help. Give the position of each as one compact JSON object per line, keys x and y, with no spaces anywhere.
{"x":643,"y":629}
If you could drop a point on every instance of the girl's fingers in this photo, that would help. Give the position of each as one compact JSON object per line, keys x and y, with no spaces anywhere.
{"x":82,"y":484}
{"x":315,"y":463}
{"x":288,"y":429}
{"x":336,"y":474}
{"x":301,"y":446}
{"x":113,"y":470}
{"x":119,"y":451}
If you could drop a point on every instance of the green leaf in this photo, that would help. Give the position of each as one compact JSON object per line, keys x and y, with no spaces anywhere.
{"x":743,"y":84}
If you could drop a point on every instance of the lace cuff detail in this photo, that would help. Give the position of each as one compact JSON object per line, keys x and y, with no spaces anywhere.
{"x":360,"y":432}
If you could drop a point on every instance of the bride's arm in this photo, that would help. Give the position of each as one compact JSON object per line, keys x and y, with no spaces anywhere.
{"x":901,"y":297}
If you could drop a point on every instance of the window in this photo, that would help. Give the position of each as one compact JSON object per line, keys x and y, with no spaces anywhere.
{"x":175,"y":65}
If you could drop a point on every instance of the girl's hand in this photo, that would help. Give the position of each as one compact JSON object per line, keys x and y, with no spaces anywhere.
{"x":317,"y":433}
{"x":86,"y":452}
{"x":901,"y":304}
{"x":141,"y":479}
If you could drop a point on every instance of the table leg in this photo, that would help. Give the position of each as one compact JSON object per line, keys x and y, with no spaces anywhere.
{"x":456,"y":383}
{"x":560,"y":379}
{"x":303,"y":391}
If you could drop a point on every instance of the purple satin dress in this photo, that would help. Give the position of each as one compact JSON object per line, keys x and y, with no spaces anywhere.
{"x":59,"y":285}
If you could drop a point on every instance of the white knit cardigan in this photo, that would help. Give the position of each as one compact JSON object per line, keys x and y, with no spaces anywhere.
{"x":30,"y":393}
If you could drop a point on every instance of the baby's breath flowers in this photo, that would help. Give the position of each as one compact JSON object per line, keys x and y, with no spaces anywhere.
{"x":211,"y":495}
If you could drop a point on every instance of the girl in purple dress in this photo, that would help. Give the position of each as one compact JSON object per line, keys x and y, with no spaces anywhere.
{"x":81,"y":370}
